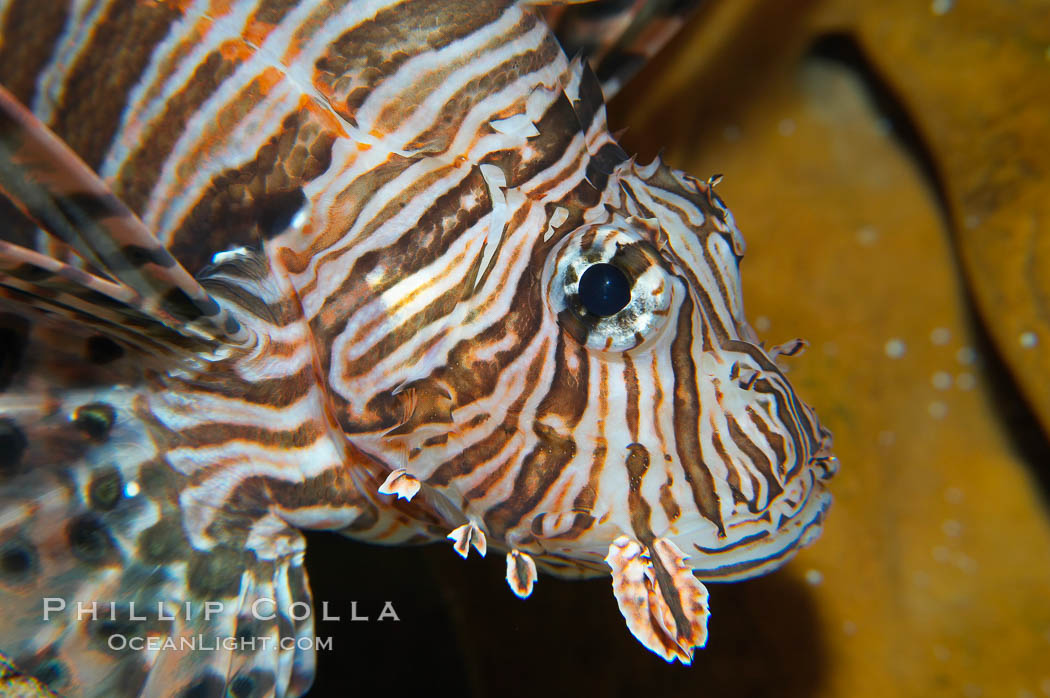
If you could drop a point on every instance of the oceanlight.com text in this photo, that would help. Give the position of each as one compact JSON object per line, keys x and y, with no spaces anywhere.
{"x":204,"y":643}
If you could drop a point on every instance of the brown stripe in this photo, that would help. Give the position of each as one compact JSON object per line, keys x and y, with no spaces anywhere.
{"x":344,"y":214}
{"x":775,"y":440}
{"x":637,"y":465}
{"x":667,"y":500}
{"x":440,"y":226}
{"x":27,"y":41}
{"x":657,"y":404}
{"x":733,"y":473}
{"x":588,"y":496}
{"x":396,"y":111}
{"x":484,"y":451}
{"x":362,"y":58}
{"x":538,"y":472}
{"x":275,"y":392}
{"x":687,"y":419}
{"x":140,"y":172}
{"x":448,"y":122}
{"x":630,"y":379}
{"x":258,"y":199}
{"x":760,"y":460}
{"x":97,"y":86}
{"x":439,"y":308}
{"x":214,"y":433}
{"x":567,"y":396}
{"x":557,"y":127}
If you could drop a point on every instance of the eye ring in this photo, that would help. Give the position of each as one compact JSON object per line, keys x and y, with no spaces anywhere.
{"x":609,"y":287}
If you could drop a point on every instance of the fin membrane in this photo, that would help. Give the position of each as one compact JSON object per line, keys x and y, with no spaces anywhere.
{"x":52,"y":186}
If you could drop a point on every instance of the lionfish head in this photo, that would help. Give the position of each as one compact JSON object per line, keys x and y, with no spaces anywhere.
{"x":615,"y":411}
{"x":682,"y":423}
{"x":608,"y":386}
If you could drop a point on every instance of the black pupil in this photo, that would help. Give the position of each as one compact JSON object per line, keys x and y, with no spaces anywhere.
{"x":604,"y":290}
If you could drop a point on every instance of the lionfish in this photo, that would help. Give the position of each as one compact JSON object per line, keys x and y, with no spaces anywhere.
{"x":370,"y":266}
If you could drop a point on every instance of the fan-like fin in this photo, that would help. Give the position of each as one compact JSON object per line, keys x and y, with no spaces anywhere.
{"x":51,"y":185}
{"x":103,"y":594}
{"x":102,"y":591}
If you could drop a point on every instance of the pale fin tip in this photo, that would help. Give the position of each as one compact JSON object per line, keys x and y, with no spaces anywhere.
{"x":521,"y":573}
{"x":400,"y":483}
{"x":669,"y":622}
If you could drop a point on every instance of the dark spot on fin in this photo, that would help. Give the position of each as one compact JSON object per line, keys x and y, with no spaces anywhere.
{"x":103,"y":350}
{"x":51,"y":673}
{"x":31,"y":272}
{"x":232,"y":326}
{"x":92,"y":207}
{"x":257,"y":683}
{"x":207,"y":685}
{"x":18,"y":559}
{"x":163,"y":542}
{"x":13,"y":444}
{"x":14,"y":335}
{"x":106,"y":489}
{"x":90,"y":541}
{"x":134,"y":256}
{"x":215,"y":574}
{"x":46,"y":668}
{"x":95,"y":419}
{"x":178,"y":303}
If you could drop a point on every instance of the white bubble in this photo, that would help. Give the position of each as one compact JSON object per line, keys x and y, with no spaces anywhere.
{"x":941,"y":380}
{"x":850,"y":628}
{"x":895,"y":348}
{"x":964,"y":562}
{"x":731,"y":133}
{"x":867,"y":235}
{"x":941,"y":553}
{"x":965,"y":381}
{"x":940,"y":335}
{"x":953,"y":495}
{"x":1028,"y":340}
{"x":131,"y":489}
{"x":937,"y":409}
{"x":786,"y":127}
{"x":814,"y":577}
{"x":941,"y":7}
{"x":966,"y":355}
{"x":762,"y":323}
{"x":951,"y":528}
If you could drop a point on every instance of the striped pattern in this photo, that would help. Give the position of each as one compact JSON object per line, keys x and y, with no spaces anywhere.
{"x":394,"y":200}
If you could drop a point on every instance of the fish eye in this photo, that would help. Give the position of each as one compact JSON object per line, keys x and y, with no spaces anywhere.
{"x":609,"y":287}
{"x":604,"y":290}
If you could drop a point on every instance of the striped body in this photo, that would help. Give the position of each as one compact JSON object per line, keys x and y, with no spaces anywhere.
{"x":395,"y":202}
